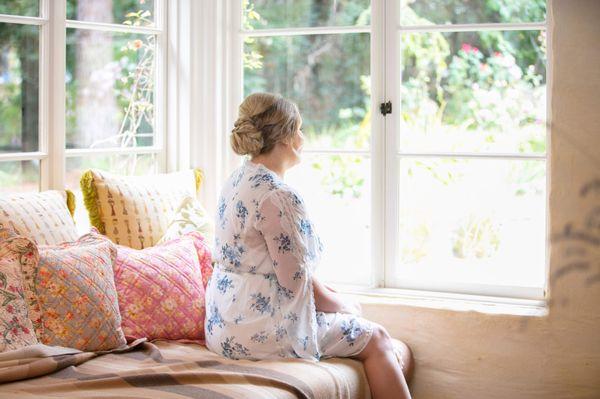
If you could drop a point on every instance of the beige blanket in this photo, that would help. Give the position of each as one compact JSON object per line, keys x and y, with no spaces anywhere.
{"x":165,"y":369}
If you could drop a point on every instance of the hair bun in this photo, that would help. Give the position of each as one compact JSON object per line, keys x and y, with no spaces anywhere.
{"x":245,"y":137}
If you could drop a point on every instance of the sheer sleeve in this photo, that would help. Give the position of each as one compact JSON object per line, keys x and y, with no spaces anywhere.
{"x":290,"y":237}
{"x":293,"y":248}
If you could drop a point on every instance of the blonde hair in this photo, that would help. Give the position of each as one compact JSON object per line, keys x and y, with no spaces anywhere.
{"x":264,"y":120}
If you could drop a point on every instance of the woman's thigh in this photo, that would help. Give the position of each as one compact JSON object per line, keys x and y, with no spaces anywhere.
{"x":342,"y":334}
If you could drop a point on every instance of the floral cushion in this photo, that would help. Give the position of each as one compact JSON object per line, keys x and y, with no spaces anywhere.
{"x":135,"y":210}
{"x":161,"y":289}
{"x":46,"y":217}
{"x":74,"y":288}
{"x":190,"y":216}
{"x":17,"y":328}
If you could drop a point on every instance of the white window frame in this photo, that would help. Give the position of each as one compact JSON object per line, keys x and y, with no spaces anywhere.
{"x":52,"y":153}
{"x":394,"y":155}
{"x":384,"y":158}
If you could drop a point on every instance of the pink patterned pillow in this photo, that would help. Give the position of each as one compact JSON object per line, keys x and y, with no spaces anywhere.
{"x":161,"y":288}
{"x":74,"y":288}
{"x":15,"y":318}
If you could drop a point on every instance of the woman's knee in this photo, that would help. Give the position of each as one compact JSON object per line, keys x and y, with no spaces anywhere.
{"x":380,"y":341}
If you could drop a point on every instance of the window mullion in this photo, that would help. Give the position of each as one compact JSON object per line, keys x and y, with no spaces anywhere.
{"x":392,"y":93}
{"x":52,"y":94}
{"x":378,"y":133}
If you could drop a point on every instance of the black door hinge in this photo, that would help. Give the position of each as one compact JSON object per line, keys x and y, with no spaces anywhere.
{"x":386,"y":108}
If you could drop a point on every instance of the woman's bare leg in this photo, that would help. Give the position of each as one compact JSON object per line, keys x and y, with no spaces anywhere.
{"x":384,"y":373}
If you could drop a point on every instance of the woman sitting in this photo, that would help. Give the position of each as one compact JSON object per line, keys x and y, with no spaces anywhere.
{"x":263,"y":300}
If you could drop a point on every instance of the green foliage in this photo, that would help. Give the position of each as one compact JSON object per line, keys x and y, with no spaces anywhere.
{"x":476,"y":237}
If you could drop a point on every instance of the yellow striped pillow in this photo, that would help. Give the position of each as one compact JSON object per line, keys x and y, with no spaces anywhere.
{"x":46,"y":217}
{"x":135,"y":210}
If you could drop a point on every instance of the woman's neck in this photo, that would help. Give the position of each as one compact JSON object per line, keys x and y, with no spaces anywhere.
{"x":277,"y":165}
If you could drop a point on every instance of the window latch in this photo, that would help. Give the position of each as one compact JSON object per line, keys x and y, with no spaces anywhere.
{"x":386,"y":108}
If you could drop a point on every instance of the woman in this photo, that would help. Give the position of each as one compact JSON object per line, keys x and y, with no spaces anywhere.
{"x":263,"y":299}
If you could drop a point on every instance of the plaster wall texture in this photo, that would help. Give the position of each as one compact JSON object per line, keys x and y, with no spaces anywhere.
{"x":477,"y":355}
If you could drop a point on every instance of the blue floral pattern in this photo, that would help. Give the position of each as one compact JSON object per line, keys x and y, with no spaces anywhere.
{"x":214,"y":319}
{"x":259,"y":299}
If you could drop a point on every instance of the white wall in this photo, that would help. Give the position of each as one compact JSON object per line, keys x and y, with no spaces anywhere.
{"x":475,"y":355}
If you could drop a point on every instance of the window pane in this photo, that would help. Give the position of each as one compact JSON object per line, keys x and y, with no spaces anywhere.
{"x":129,"y":164}
{"x":426,"y":12}
{"x":28,"y":8}
{"x":19,"y":176}
{"x":127,"y":12}
{"x":265,"y":14}
{"x":337,"y":193}
{"x":477,"y":221}
{"x":19,"y":87}
{"x":110,"y":89}
{"x":474,"y":92}
{"x":328,"y":76}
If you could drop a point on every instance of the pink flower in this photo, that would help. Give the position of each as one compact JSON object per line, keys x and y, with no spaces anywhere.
{"x":467,"y":48}
{"x":10,"y":309}
{"x":497,"y":54}
{"x":137,"y":44}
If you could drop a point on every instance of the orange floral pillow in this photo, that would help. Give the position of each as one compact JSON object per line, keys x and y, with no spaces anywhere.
{"x":73,"y":286}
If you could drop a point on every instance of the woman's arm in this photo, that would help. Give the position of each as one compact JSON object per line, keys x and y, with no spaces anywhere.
{"x":328,"y":301}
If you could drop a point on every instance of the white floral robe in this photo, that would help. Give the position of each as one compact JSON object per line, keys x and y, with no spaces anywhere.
{"x":260,"y":301}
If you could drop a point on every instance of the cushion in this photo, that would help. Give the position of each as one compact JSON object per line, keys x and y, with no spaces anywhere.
{"x":161,"y":289}
{"x":73,"y":286}
{"x":135,"y":210}
{"x":190,"y":216}
{"x":46,"y":217}
{"x":17,"y":329}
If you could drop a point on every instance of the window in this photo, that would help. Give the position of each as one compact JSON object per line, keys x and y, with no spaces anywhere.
{"x":319,"y":56}
{"x":448,"y":191}
{"x":22,"y":153}
{"x":113,"y":79}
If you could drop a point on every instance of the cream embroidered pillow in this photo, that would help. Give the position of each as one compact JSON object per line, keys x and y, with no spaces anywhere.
{"x":135,"y":210}
{"x":190,"y":216}
{"x":46,"y":217}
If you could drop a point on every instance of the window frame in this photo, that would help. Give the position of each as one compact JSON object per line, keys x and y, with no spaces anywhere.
{"x":394,"y":155}
{"x":384,"y":151}
{"x":52,"y":152}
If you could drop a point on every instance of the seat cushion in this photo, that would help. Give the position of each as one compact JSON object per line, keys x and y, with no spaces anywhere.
{"x":46,"y":217}
{"x":177,"y":370}
{"x":135,"y":210}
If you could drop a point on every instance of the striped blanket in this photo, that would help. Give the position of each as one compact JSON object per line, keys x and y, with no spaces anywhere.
{"x":167,"y":369}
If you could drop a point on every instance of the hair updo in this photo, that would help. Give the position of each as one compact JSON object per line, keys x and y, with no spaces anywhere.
{"x":264,"y":120}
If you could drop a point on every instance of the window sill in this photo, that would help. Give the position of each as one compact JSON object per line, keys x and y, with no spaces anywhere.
{"x":446,"y":301}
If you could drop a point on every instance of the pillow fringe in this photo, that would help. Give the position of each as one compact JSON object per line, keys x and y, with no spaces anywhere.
{"x":199,"y":176}
{"x":90,"y":199}
{"x":71,"y":202}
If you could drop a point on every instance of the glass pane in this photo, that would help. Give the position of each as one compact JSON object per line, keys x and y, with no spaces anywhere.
{"x":19,"y":176}
{"x":127,"y":12}
{"x":129,"y":164}
{"x":110,"y":89}
{"x":439,"y":12}
{"x":266,"y":14}
{"x":19,"y":88}
{"x":474,"y":92}
{"x":28,"y":8}
{"x":337,"y":193}
{"x":328,"y":76}
{"x":478,"y":221}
